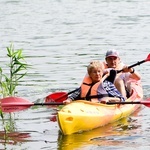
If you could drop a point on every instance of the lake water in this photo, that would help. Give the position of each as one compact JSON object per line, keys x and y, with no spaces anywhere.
{"x":59,"y":38}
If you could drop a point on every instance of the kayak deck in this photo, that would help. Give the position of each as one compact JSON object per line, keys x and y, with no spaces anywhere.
{"x":82,"y":115}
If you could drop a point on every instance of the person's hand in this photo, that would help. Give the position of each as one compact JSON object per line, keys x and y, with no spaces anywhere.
{"x":126,"y":69}
{"x":114,"y":99}
{"x":67,"y":101}
{"x":107,"y":72}
{"x":110,"y":99}
{"x":104,"y":100}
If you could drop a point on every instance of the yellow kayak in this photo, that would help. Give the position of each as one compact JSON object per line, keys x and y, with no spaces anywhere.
{"x":82,"y":115}
{"x":94,"y":137}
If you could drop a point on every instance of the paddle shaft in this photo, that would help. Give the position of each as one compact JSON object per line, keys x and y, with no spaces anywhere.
{"x":30,"y":104}
{"x":51,"y":103}
{"x":138,"y":63}
{"x":111,"y":103}
{"x":146,"y":102}
{"x":108,"y":103}
{"x":72,"y":91}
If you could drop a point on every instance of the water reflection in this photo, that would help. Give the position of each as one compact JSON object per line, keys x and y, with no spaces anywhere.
{"x":13,"y":138}
{"x":111,"y":135}
{"x":9,"y":135}
{"x":53,"y":117}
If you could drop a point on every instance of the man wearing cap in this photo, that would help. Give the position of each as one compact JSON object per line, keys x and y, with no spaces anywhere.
{"x":113,"y":61}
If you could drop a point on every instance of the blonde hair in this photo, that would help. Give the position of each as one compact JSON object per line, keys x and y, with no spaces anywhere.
{"x":94,"y":64}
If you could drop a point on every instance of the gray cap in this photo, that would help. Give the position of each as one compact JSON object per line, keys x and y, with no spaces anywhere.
{"x":112,"y":53}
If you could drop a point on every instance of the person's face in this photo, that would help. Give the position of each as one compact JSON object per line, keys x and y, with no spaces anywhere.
{"x":96,"y":74}
{"x":112,"y":61}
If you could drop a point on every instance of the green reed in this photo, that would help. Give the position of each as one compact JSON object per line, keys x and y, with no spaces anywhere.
{"x":16,"y":69}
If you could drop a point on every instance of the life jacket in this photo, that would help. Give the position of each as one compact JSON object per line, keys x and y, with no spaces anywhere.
{"x":90,"y":91}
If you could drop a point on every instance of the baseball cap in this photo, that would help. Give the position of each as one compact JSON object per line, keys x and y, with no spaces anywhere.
{"x":113,"y":53}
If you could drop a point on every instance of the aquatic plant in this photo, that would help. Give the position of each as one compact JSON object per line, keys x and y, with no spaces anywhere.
{"x":16,"y":69}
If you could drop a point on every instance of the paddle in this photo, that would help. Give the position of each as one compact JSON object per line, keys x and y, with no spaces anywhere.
{"x":13,"y":104}
{"x":138,"y":63}
{"x":146,"y":102}
{"x":58,"y":96}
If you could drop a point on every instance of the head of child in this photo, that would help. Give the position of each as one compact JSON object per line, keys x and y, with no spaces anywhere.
{"x":95,"y":70}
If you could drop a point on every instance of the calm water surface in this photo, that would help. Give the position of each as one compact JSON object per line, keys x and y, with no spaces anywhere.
{"x":59,"y":38}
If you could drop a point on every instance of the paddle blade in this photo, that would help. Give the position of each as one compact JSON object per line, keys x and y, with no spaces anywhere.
{"x":13,"y":104}
{"x":148,"y":58}
{"x":56,"y":97}
{"x":146,"y":102}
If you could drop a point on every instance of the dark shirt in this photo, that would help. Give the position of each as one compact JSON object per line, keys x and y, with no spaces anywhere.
{"x":75,"y":95}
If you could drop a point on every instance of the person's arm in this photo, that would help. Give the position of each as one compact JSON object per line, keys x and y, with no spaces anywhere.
{"x":133,"y":73}
{"x":73,"y":96}
{"x":106,"y":74}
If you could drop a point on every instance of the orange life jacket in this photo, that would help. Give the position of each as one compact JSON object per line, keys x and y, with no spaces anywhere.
{"x":88,"y":89}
